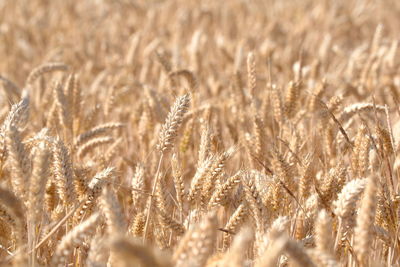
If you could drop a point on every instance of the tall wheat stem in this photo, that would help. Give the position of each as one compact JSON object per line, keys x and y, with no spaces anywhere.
{"x":153,"y":191}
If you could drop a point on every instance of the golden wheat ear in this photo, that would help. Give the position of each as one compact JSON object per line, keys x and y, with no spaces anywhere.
{"x":75,"y":238}
{"x":43,"y":69}
{"x":237,"y":255}
{"x":112,"y":211}
{"x":174,"y":120}
{"x":94,"y":190}
{"x":197,"y":245}
{"x":234,"y":222}
{"x":323,"y":231}
{"x":133,"y":251}
{"x":345,"y":204}
{"x":63,"y":171}
{"x":12,"y":210}
{"x":37,"y":187}
{"x":364,"y":231}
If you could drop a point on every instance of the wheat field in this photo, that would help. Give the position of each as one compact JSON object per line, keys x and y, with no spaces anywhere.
{"x":199,"y":133}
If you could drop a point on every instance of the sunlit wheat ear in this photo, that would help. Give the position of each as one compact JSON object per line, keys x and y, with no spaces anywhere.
{"x":348,"y":196}
{"x":197,"y":244}
{"x":271,"y":256}
{"x":253,"y":199}
{"x":137,"y":183}
{"x":316,"y":94}
{"x":12,"y":210}
{"x":291,"y":99}
{"x":237,"y":254}
{"x":50,"y":198}
{"x":204,"y":149}
{"x":63,"y":171}
{"x":277,"y":106}
{"x":260,"y":137}
{"x":98,"y":252}
{"x":97,"y":131}
{"x":307,"y":177}
{"x":349,"y":111}
{"x":137,"y":225}
{"x":18,"y":155}
{"x":76,"y":104}
{"x":346,"y":202}
{"x":220,"y":194}
{"x":322,"y":258}
{"x":133,"y":252}
{"x":298,"y":254}
{"x":323,"y":230}
{"x":168,"y":222}
{"x":385,"y":139}
{"x":364,"y":231}
{"x":95,"y":187}
{"x":19,"y":113}
{"x":237,"y":218}
{"x":199,"y":179}
{"x":112,"y":211}
{"x":251,"y":72}
{"x":160,"y":196}
{"x":63,"y":108}
{"x":188,"y":75}
{"x":45,"y":68}
{"x":281,"y":243}
{"x":213,"y":175}
{"x":89,"y":146}
{"x":360,"y":154}
{"x":178,"y":181}
{"x":173,"y":122}
{"x":166,"y":139}
{"x":187,"y":134}
{"x":80,"y":181}
{"x":279,"y":226}
{"x":74,"y":239}
{"x":38,"y":180}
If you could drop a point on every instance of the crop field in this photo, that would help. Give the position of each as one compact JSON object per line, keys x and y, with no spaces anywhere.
{"x":199,"y":133}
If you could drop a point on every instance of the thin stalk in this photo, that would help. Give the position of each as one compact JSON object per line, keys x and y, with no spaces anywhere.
{"x":339,"y":233}
{"x":153,"y":191}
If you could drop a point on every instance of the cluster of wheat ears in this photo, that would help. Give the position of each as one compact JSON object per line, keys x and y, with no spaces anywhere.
{"x":199,"y":133}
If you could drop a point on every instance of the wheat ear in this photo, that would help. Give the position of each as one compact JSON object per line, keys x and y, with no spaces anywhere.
{"x":364,"y":231}
{"x":45,"y":68}
{"x":73,"y":239}
{"x":197,"y":245}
